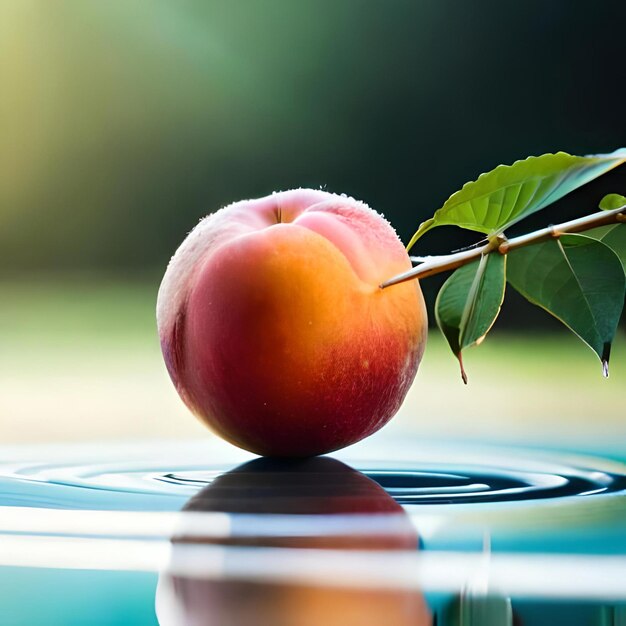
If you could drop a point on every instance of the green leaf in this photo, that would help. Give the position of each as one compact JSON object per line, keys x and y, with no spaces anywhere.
{"x":509,"y":193}
{"x":613,"y":236}
{"x":612,"y":201}
{"x":579,"y":280}
{"x":468,"y":303}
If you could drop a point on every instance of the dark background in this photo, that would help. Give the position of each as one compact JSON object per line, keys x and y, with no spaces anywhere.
{"x":125,"y":122}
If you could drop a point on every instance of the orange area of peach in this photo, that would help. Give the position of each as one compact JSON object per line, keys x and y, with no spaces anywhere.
{"x":285,"y":332}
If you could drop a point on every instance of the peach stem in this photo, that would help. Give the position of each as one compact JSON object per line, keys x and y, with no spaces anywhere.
{"x":436,"y":264}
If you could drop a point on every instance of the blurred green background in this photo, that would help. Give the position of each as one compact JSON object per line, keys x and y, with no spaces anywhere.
{"x":123,"y":122}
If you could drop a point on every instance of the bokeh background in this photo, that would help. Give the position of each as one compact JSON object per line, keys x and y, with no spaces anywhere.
{"x":123,"y":122}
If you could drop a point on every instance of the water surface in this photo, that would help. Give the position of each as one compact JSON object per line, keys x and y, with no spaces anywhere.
{"x":444,"y":533}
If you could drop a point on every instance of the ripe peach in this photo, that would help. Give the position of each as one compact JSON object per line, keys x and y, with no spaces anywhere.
{"x":274,"y":328}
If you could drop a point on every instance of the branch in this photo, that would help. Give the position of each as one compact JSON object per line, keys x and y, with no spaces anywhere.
{"x":437,"y":264}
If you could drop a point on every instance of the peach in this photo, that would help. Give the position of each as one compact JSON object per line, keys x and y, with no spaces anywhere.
{"x":275,"y":330}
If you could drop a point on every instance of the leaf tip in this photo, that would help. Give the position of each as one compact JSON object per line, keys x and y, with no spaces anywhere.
{"x":463,"y":372}
{"x":606,"y":353}
{"x":612,"y":201}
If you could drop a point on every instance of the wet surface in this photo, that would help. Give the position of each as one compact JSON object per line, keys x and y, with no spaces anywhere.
{"x":469,"y":477}
{"x":453,"y":533}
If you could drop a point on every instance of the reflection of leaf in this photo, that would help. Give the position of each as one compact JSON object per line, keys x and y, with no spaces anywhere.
{"x":577,"y":279}
{"x":477,"y":608}
{"x":469,"y":302}
{"x":612,"y":201}
{"x":613,"y":236}
{"x":509,"y":193}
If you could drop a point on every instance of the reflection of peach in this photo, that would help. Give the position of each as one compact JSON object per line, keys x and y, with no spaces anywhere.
{"x":320,"y":486}
{"x":274,"y":328}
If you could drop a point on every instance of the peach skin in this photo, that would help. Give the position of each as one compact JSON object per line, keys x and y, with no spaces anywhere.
{"x":275,"y":331}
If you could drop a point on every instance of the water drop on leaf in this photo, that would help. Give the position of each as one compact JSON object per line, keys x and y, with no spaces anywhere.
{"x":606,"y":353}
